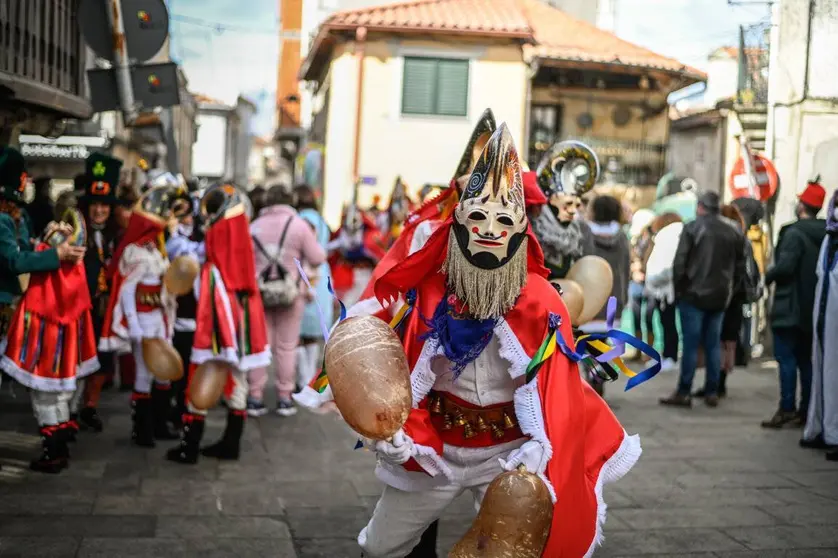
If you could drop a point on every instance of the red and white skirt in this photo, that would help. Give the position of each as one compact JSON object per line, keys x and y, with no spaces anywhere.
{"x":48,"y":356}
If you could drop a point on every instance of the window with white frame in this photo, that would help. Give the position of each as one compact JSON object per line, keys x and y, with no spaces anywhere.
{"x":435,"y":86}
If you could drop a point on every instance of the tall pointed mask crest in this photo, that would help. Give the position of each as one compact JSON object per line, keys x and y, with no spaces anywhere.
{"x":483,"y":130}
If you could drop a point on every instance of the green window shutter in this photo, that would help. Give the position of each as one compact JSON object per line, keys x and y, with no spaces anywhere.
{"x":435,"y":86}
{"x":418,"y":89}
{"x":452,"y":87}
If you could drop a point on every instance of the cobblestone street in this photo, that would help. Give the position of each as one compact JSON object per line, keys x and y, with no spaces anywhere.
{"x":711,"y":483}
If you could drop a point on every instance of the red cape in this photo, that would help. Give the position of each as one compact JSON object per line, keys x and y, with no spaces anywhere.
{"x":589,"y":444}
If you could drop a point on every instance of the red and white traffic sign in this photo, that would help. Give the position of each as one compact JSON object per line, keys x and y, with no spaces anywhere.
{"x":764,"y":173}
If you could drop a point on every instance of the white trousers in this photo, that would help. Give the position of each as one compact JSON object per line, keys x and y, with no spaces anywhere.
{"x":143,"y":379}
{"x":308,"y":361}
{"x":237,"y":400}
{"x":401,"y":517}
{"x":51,"y":407}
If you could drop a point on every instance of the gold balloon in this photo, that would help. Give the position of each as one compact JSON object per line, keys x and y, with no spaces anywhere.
{"x":162,"y":360}
{"x":369,"y":376}
{"x":595,"y":274}
{"x":207,"y":384}
{"x":573,"y":297}
{"x":513,"y":522}
{"x":181,"y":274}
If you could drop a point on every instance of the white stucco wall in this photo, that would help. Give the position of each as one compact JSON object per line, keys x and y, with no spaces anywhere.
{"x":803,"y":124}
{"x":420,"y":149}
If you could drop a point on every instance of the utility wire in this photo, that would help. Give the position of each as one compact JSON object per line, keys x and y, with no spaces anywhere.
{"x":219,"y":27}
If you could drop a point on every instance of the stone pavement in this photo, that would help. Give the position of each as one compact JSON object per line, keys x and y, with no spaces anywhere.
{"x":711,"y":483}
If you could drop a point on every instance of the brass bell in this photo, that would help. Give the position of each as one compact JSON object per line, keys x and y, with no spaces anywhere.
{"x":481,"y":424}
{"x":468,"y":431}
{"x":436,"y":406}
{"x":460,"y":420}
{"x":508,"y":422}
{"x":446,"y":422}
{"x":497,"y":432}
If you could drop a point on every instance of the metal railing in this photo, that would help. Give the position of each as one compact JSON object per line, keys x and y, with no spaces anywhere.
{"x":40,"y":41}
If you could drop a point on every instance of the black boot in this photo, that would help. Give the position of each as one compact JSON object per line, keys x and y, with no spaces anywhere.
{"x":142,"y":416}
{"x":190,"y":440}
{"x":228,"y":446}
{"x":51,"y":460}
{"x":64,"y":435}
{"x":89,"y":419}
{"x":162,"y":404}
{"x":72,"y":427}
{"x":722,"y":384}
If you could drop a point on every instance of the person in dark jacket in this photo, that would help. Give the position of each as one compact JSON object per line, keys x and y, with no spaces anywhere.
{"x":794,"y":277}
{"x":611,"y":244}
{"x":709,"y":263}
{"x":101,"y":179}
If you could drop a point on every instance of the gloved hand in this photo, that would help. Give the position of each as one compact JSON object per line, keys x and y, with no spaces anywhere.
{"x":396,"y":451}
{"x":531,"y":455}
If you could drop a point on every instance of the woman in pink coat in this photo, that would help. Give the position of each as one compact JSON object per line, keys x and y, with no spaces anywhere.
{"x":283,"y":323}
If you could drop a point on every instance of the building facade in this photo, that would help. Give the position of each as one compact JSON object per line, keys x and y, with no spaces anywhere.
{"x":399,"y":94}
{"x":42,"y":64}
{"x":803,"y":99}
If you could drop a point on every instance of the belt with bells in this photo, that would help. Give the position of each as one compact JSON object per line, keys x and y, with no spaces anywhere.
{"x":462,"y":424}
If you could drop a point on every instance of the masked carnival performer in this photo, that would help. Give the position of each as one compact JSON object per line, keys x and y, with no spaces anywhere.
{"x":49,"y":343}
{"x":141,"y":308}
{"x":186,"y":239}
{"x":101,"y":179}
{"x":230,"y":327}
{"x":481,"y":313}
{"x":565,"y":173}
{"x":397,"y":212}
{"x":355,"y":249}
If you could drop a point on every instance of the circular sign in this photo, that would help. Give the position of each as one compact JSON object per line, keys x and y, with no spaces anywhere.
{"x":146,"y":25}
{"x":764,"y":173}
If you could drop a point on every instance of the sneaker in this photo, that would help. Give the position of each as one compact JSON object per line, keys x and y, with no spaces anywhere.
{"x":256,"y":408}
{"x":286,"y":408}
{"x":780,"y":419}
{"x":668,"y":365}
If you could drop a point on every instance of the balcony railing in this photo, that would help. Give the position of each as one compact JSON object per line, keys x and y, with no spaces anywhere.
{"x":43,"y":55}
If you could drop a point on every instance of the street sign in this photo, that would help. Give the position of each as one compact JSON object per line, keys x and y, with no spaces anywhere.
{"x":369,"y":180}
{"x":154,"y":85}
{"x":764,"y":173}
{"x":146,"y":27}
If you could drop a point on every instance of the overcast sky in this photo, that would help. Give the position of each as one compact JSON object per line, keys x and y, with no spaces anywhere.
{"x":243,"y":58}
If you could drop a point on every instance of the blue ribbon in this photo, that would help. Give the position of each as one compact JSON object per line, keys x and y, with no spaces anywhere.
{"x":622,"y":338}
{"x":340,"y":302}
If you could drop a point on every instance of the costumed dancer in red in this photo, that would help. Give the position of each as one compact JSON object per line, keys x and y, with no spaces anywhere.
{"x":140,"y":307}
{"x":50,"y":343}
{"x":397,"y":213}
{"x":356,"y":247}
{"x":482,"y":312}
{"x":230,"y":321}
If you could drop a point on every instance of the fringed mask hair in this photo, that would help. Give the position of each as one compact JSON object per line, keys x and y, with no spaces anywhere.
{"x":487,"y":253}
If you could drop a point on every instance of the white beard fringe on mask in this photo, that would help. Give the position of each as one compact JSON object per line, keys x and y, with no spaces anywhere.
{"x":488,"y":293}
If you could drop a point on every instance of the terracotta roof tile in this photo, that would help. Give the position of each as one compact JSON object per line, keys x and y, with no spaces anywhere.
{"x":559,"y":36}
{"x":471,"y":16}
{"x":548,"y":32}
